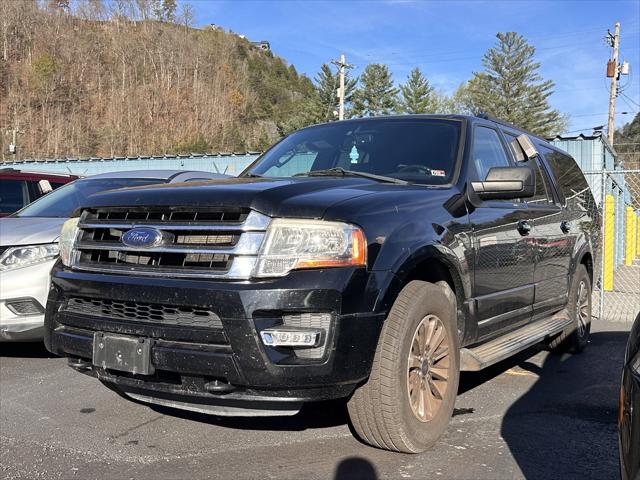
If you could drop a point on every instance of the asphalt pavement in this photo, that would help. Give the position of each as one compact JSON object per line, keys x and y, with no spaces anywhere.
{"x":538,"y":415}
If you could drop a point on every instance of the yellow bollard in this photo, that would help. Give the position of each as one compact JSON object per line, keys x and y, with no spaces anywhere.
{"x":630,"y":237}
{"x":609,"y":213}
{"x":638,"y":235}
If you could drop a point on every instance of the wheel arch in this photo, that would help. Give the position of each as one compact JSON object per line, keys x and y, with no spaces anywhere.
{"x":433,"y":263}
{"x":585,"y":257}
{"x":587,"y":260}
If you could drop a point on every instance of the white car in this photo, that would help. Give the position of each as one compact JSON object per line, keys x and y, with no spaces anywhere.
{"x":29,"y":245}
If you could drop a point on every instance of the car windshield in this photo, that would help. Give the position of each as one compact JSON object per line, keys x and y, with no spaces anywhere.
{"x":414,"y":150}
{"x":63,"y":201}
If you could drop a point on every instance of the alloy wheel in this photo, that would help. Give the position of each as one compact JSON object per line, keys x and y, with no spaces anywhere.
{"x":582,"y":308}
{"x":428,"y":368}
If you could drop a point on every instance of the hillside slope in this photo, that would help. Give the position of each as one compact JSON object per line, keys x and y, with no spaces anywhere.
{"x":107,"y":85}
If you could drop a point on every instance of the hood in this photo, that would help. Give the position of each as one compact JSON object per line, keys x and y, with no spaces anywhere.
{"x":304,"y":197}
{"x":16,"y":231}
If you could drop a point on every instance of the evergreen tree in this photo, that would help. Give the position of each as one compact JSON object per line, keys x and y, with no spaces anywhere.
{"x":626,"y":141}
{"x":417,"y":96}
{"x":510,"y":87}
{"x":376,"y":95}
{"x":326,"y":101}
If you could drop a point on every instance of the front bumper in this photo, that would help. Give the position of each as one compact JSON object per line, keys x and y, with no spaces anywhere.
{"x":28,"y":282}
{"x":228,"y":366}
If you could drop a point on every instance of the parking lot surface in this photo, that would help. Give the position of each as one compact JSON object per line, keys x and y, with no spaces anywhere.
{"x":539,"y":415}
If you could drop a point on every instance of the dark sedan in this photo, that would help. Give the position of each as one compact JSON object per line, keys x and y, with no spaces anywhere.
{"x":629,"y":415}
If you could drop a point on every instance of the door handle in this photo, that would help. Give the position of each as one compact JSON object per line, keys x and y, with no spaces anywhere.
{"x":565,"y":226}
{"x":524,"y":227}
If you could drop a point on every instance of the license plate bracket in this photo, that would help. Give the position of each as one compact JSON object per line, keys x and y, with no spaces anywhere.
{"x":123,"y":353}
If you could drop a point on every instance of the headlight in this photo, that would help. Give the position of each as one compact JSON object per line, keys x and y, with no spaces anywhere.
{"x":68,"y":236}
{"x":296,"y":244}
{"x":18,"y":257}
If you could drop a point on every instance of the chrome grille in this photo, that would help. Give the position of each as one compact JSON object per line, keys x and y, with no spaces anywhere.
{"x":144,"y":312}
{"x":207,"y":242}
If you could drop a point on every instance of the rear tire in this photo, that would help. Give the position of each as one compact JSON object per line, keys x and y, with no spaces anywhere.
{"x":575,"y":338}
{"x":407,"y":402}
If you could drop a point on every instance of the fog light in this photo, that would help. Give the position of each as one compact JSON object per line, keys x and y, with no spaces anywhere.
{"x":290,"y":337}
{"x":24,"y":306}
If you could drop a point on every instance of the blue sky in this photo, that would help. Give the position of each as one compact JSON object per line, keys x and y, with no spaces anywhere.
{"x":446,"y":39}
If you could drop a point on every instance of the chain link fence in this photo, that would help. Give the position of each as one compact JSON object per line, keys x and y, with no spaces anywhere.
{"x":616,"y":295}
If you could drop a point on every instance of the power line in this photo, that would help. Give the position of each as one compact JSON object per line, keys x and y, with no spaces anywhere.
{"x":630,"y":99}
{"x":596,"y":128}
{"x":440,"y":57}
{"x":605,"y":113}
{"x":528,"y":38}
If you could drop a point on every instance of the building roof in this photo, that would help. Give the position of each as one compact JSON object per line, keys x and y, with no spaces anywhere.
{"x":139,"y":157}
{"x":597,"y":135}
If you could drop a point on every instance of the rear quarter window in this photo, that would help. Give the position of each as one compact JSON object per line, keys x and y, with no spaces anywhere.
{"x":569,"y":178}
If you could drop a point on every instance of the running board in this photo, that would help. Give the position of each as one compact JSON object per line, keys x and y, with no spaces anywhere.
{"x":481,"y":356}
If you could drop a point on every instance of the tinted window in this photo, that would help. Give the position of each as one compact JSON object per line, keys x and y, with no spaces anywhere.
{"x":569,"y":178}
{"x":418,"y":151}
{"x":13,"y":195}
{"x":64,"y":200}
{"x":487,"y":152}
{"x":543,"y":190}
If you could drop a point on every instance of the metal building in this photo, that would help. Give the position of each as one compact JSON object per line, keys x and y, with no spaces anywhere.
{"x":230,"y":163}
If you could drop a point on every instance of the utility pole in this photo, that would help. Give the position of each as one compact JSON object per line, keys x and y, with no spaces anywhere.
{"x":342,"y":65}
{"x":614,"y":73}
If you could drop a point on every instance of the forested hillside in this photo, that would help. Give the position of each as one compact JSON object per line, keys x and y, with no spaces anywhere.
{"x":627,"y":144}
{"x":120,"y":78}
{"x":135,"y":77}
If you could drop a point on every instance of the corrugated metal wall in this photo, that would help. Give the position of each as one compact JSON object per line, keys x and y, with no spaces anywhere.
{"x":231,"y":164}
{"x":594,"y":155}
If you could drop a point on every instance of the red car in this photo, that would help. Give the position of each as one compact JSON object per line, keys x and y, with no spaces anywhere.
{"x":19,"y":188}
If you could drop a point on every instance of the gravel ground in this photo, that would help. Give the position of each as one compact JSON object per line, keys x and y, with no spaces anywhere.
{"x":535,"y":416}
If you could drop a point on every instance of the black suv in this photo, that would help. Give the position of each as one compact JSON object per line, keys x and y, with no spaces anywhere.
{"x":370,"y":259}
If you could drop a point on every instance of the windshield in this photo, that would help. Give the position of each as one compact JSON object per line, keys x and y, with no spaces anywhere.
{"x":415,"y":150}
{"x":63,"y":201}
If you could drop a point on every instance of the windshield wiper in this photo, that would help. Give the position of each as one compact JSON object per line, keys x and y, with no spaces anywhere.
{"x":353,"y":173}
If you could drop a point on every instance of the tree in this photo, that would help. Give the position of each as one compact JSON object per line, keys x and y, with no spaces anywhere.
{"x":626,"y":141}
{"x":376,"y":95}
{"x":511,"y":88}
{"x":417,"y":96}
{"x":326,"y":101}
{"x":164,"y":10}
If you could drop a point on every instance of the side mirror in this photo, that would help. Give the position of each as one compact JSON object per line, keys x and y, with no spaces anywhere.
{"x":506,"y":183}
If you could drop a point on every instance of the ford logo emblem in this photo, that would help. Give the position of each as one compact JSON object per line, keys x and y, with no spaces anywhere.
{"x":142,"y":237}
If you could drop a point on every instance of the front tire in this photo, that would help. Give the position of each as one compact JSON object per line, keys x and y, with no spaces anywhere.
{"x":407,"y":402}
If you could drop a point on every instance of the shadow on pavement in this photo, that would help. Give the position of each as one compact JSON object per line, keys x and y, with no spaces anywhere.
{"x":24,"y":349}
{"x":313,"y":415}
{"x":564,"y":426}
{"x":355,"y":468}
